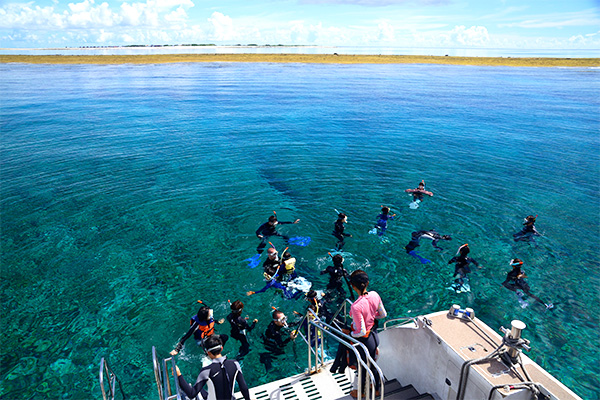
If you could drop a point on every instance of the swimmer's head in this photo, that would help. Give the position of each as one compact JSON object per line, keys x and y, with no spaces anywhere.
{"x":385,"y":210}
{"x":464,"y":250}
{"x":422,"y":184}
{"x":271,"y":252}
{"x":237,"y":307}
{"x":272,"y":220}
{"x":286,"y":256}
{"x":342,"y":217}
{"x":360,"y":280}
{"x":205,"y":313}
{"x":446,"y":237}
{"x":530,"y":219}
{"x":338,"y":260}
{"x":516,"y":263}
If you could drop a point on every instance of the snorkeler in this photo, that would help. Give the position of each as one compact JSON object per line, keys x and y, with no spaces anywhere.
{"x":274,"y":340}
{"x":527,"y":233}
{"x":515,"y":281}
{"x":462,"y":267}
{"x":272,"y":258}
{"x":269,"y":229}
{"x":288,"y":289}
{"x":337,"y":273}
{"x":202,"y":326}
{"x":338,"y":230}
{"x":419,"y":192}
{"x":287,"y":268}
{"x":239,"y":327}
{"x":415,"y":242}
{"x":382,"y":220}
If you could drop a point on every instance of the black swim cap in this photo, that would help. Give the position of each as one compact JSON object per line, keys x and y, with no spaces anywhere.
{"x":342,"y":216}
{"x":272,"y":218}
{"x":360,"y":279}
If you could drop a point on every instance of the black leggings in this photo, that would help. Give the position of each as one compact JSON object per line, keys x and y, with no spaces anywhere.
{"x":371,"y":342}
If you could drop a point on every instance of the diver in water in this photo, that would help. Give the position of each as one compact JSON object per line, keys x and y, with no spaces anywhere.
{"x":269,"y":229}
{"x":515,"y":281}
{"x":337,"y":274}
{"x":338,"y":230}
{"x":527,"y":233}
{"x":274,"y":340}
{"x":272,"y":258}
{"x":202,"y":326}
{"x":432,"y":234}
{"x":462,"y":266}
{"x":415,"y":242}
{"x":271,"y":275}
{"x":419,"y":192}
{"x":287,"y":268}
{"x":382,"y":220}
{"x":239,"y":327}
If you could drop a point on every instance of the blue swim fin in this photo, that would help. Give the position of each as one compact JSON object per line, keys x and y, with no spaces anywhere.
{"x":300,"y":240}
{"x":417,"y":256}
{"x":253,"y":261}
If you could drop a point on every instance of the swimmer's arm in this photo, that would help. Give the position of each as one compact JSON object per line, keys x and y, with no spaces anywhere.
{"x":381,"y":312}
{"x":184,"y":338}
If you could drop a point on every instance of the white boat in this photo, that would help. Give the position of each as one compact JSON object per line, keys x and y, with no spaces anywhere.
{"x":446,"y":355}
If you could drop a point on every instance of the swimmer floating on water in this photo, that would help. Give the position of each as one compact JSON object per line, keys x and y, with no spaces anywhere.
{"x":515,"y":281}
{"x":269,"y":229}
{"x":415,"y":242}
{"x":418,"y":194}
{"x":528,"y":232}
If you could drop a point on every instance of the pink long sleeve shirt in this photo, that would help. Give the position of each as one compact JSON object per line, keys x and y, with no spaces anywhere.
{"x":364,"y":311}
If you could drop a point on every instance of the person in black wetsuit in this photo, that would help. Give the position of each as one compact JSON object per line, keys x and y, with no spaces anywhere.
{"x":274,"y":339}
{"x":272,"y":259}
{"x":338,"y":230}
{"x":382,"y":220}
{"x":222,"y":372}
{"x":337,"y":275}
{"x":527,"y":233}
{"x":432,"y":234}
{"x":239,"y":326}
{"x":202,"y":325}
{"x":268,"y":229}
{"x":515,"y":281}
{"x":462,"y":265}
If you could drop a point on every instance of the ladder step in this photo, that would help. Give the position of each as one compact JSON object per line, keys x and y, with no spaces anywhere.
{"x":402,"y":393}
{"x":425,"y":396}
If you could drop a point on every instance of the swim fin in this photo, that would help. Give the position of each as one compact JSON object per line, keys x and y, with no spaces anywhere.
{"x":300,"y":240}
{"x":416,"y":255}
{"x":253,"y":261}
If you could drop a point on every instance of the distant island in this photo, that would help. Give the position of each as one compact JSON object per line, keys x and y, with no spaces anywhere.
{"x":333,"y":58}
{"x":186,"y":45}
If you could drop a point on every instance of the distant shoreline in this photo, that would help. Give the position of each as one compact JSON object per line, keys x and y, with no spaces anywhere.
{"x":301,"y":58}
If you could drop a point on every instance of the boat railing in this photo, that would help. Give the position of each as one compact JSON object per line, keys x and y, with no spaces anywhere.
{"x":316,"y":348}
{"x":105,"y":370}
{"x":165,"y":374}
{"x":392,"y":323}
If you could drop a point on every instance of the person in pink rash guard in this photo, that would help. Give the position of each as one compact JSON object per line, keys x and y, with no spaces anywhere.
{"x":364,"y":311}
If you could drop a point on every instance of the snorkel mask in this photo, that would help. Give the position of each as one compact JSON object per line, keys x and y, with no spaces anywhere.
{"x":515,"y":262}
{"x":283,"y":320}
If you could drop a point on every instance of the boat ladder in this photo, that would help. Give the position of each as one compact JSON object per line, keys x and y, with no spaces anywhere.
{"x":166,"y":377}
{"x":112,"y":381}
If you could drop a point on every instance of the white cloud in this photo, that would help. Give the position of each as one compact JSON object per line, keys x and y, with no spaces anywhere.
{"x":221,"y":27}
{"x":473,"y":36}
{"x":557,"y":20}
{"x":386,"y":32}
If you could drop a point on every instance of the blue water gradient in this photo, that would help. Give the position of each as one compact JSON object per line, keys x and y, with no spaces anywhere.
{"x":128,"y":192}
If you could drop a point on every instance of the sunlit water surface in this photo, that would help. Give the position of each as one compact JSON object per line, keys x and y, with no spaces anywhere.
{"x":128,"y":192}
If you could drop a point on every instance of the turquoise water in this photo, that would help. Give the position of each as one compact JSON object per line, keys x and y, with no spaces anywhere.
{"x":130,"y":191}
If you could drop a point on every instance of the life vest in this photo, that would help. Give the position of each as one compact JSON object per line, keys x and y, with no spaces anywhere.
{"x":289,"y":265}
{"x":206,"y":328}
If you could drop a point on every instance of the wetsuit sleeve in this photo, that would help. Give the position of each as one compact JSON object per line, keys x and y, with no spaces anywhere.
{"x":474,"y":262}
{"x":242,"y":382}
{"x":269,"y":284}
{"x":190,"y":391}
{"x":186,"y":336}
{"x":452,"y":260}
{"x":284,"y":222}
{"x":260,"y":229}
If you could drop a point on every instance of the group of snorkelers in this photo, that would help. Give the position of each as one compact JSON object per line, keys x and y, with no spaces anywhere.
{"x":280,"y":273}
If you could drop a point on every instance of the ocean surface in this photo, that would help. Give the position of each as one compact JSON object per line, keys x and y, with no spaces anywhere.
{"x":129,"y":192}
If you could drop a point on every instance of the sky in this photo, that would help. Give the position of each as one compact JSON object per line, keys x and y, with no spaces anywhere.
{"x":526,"y":24}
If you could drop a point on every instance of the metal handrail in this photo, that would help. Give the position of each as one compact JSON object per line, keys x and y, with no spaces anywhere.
{"x":403,"y":319}
{"x":339,"y":336}
{"x":112,"y":381}
{"x":163,"y":381}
